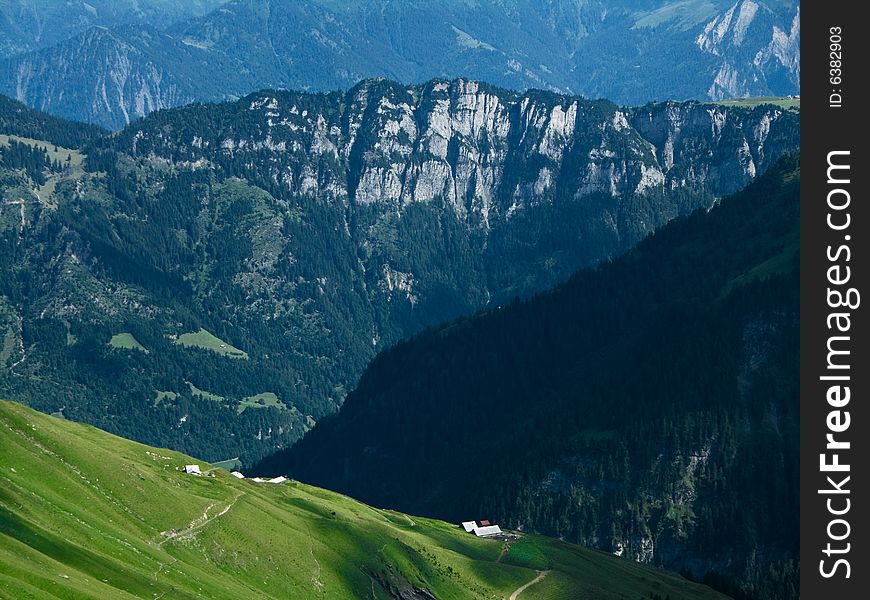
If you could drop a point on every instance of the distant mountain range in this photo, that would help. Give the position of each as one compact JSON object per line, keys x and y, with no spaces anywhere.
{"x":214,"y":278}
{"x":110,"y":63}
{"x":27,"y":25}
{"x":648,"y":407}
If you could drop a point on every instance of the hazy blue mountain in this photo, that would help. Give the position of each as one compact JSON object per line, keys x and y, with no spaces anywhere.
{"x":306,"y":232}
{"x":141,"y":70}
{"x":629,"y":52}
{"x":33,"y":24}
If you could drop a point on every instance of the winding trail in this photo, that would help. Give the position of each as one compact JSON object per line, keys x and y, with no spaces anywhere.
{"x":156,"y":576}
{"x":199,"y":522}
{"x":315,"y":578}
{"x":21,"y":348}
{"x":387,"y":515}
{"x":522,"y":588}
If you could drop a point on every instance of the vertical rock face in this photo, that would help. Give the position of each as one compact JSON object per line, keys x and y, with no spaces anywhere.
{"x":755,"y":51}
{"x":710,"y":144}
{"x":513,"y":192}
{"x":483,"y":153}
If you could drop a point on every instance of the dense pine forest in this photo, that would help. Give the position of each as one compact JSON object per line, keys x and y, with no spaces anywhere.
{"x":648,"y":407}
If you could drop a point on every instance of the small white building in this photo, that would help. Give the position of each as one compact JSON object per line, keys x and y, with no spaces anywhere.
{"x":192,"y":469}
{"x":237,"y":475}
{"x":488,"y":531}
{"x":280,"y":479}
{"x":481,"y":528}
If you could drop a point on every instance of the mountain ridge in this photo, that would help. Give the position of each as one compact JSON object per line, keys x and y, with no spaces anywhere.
{"x":308,"y":231}
{"x":727,"y":49}
{"x":27,"y":25}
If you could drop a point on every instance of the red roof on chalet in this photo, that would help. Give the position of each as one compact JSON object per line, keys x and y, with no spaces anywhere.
{"x":484,"y":523}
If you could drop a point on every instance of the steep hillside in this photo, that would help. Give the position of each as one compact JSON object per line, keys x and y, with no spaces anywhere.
{"x":214,"y":278}
{"x":18,"y":119}
{"x":628,"y":51}
{"x":84,"y":514}
{"x":635,"y":408}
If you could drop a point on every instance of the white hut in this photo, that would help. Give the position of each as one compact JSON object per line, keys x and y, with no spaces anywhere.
{"x":237,"y":475}
{"x":488,"y":531}
{"x":192,"y":469}
{"x":469,"y":526}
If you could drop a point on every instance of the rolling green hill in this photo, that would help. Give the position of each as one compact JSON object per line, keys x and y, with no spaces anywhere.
{"x":85,"y":514}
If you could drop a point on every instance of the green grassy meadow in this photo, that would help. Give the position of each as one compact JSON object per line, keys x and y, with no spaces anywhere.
{"x":205,"y":394}
{"x":263,"y":400}
{"x":74,"y":170}
{"x":85,"y":514}
{"x":160,"y":396}
{"x":208,"y":341}
{"x":126,"y":341}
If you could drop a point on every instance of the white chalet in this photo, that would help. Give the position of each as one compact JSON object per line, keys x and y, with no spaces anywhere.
{"x":481,"y":528}
{"x":487,"y":531}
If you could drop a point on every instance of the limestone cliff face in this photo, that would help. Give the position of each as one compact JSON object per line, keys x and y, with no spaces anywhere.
{"x":483,"y":153}
{"x":513,"y":192}
{"x":754,"y":48}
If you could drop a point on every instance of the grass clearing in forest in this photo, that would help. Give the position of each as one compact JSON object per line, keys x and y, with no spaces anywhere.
{"x":125,"y":341}
{"x":204,"y":394}
{"x":208,"y":341}
{"x":263,"y":400}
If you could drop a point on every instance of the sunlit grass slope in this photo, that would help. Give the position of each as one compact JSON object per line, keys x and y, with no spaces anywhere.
{"x":85,"y":514}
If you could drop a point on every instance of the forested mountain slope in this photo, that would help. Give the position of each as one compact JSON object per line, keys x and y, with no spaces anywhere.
{"x":17,"y":119}
{"x":214,"y":278}
{"x":648,"y":407}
